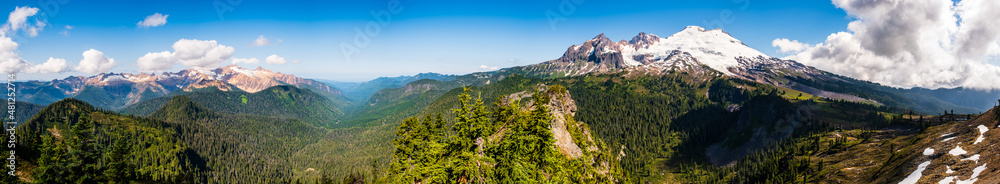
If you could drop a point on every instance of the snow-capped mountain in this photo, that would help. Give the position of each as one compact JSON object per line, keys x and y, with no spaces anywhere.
{"x":686,"y":50}
{"x":115,"y":90}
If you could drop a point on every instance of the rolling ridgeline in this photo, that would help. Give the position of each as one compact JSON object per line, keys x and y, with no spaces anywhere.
{"x":597,"y":118}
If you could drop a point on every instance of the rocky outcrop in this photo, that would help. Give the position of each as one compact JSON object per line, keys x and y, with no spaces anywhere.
{"x":562,"y":106}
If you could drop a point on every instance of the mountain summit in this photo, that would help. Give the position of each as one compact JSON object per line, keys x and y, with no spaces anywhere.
{"x":687,"y":50}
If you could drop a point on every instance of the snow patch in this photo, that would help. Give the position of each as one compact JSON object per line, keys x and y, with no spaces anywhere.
{"x":949,"y":170}
{"x":973,"y":158}
{"x":137,"y":79}
{"x":948,"y":139}
{"x":975,"y":175}
{"x":948,"y":180}
{"x":242,"y":71}
{"x":957,"y":151}
{"x":928,"y":151}
{"x":113,"y":78}
{"x":982,"y":131}
{"x":915,"y":176}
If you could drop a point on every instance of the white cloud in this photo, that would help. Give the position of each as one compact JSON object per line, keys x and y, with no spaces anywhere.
{"x":18,"y":20}
{"x":513,"y":60}
{"x":156,"y":61}
{"x":274,"y":59}
{"x":94,"y":61}
{"x":263,"y":41}
{"x":10,"y":61}
{"x":931,"y":43}
{"x":484,"y":67}
{"x":247,"y":61}
{"x":191,"y":53}
{"x":53,"y":65}
{"x":201,"y":53}
{"x":786,"y":46}
{"x":154,"y":20}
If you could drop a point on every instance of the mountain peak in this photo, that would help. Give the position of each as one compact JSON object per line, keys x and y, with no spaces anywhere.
{"x":693,"y":28}
{"x":715,"y":48}
{"x":260,"y":68}
{"x":600,"y":37}
{"x":644,"y":39}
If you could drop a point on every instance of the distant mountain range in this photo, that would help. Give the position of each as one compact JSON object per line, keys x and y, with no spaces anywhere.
{"x":117,"y":90}
{"x":361,"y":91}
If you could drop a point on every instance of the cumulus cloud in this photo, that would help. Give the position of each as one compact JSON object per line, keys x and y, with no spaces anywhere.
{"x":932,"y":43}
{"x":263,"y":41}
{"x":154,"y":20}
{"x":53,"y":65}
{"x":156,"y":61}
{"x":94,"y":61}
{"x":188,"y":52}
{"x":19,"y":20}
{"x":245,"y":60}
{"x":201,"y":53}
{"x":274,"y":59}
{"x":786,"y":46}
{"x":10,"y":61}
{"x":484,"y":67}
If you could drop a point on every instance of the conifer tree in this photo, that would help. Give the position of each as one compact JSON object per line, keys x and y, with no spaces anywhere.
{"x":51,"y":163}
{"x":118,"y":169}
{"x":83,"y":153}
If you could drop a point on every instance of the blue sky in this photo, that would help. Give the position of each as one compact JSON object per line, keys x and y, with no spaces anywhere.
{"x":453,"y":37}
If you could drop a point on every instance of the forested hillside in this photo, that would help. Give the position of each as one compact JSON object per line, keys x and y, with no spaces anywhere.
{"x":277,"y":101}
{"x":243,"y":148}
{"x":72,"y":142}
